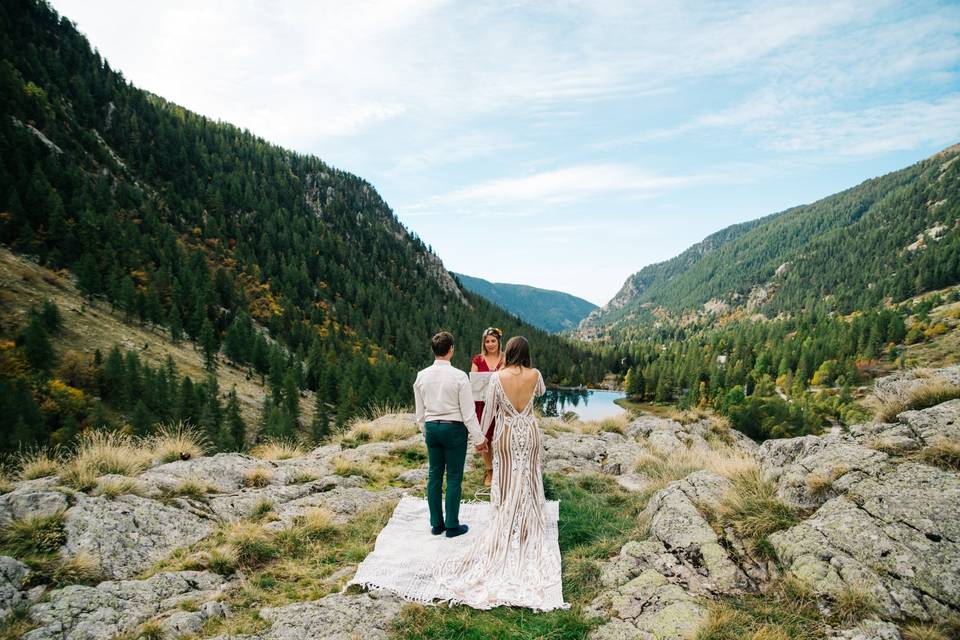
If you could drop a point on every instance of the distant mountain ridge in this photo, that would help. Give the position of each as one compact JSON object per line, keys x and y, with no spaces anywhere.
{"x":550,"y":310}
{"x":890,"y":237}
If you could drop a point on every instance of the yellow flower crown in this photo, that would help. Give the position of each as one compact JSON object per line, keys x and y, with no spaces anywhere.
{"x":494,"y":330}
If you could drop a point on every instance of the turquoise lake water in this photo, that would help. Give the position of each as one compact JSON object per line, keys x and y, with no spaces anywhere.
{"x":589,"y":404}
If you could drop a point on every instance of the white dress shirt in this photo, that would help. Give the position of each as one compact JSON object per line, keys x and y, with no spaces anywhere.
{"x":442,"y":392}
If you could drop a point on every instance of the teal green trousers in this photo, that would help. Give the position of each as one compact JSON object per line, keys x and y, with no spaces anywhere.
{"x":446,"y":451}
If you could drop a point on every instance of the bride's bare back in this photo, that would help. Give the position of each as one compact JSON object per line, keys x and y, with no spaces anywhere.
{"x":519,"y":384}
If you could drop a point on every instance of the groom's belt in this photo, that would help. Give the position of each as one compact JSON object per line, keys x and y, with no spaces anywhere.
{"x":445,"y":421}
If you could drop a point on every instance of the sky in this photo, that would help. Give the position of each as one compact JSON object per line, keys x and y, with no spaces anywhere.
{"x":563,"y":145}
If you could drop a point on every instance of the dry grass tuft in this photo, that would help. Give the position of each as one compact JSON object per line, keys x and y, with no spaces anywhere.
{"x":942,"y":452}
{"x":923,"y":632}
{"x":665,"y":467}
{"x":100,"y":453}
{"x":302,"y":476}
{"x":115,"y":487}
{"x":195,"y":488}
{"x":930,"y":392}
{"x":383,"y":429}
{"x":252,"y":545}
{"x":179,"y":441}
{"x":278,"y":449}
{"x":6,"y":484}
{"x":346,"y":468}
{"x":852,"y":604}
{"x":753,"y":511}
{"x":819,"y":483}
{"x":315,"y":524}
{"x":37,"y":463}
{"x":82,"y":568}
{"x":258,"y":477}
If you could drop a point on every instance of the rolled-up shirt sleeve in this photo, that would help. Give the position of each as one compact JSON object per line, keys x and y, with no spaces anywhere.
{"x":468,"y":410}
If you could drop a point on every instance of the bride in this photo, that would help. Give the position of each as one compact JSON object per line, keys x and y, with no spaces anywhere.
{"x":512,"y":562}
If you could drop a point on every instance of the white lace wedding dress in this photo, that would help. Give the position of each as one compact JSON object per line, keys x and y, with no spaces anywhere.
{"x":512,"y":562}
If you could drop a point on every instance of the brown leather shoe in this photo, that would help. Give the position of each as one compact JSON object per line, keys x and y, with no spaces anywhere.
{"x":488,"y":478}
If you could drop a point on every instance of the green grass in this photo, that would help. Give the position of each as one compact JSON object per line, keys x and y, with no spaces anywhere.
{"x":788,"y":611}
{"x":753,"y":511}
{"x":597,"y":517}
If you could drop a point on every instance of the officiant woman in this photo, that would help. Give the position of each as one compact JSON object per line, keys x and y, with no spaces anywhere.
{"x":490,"y":358}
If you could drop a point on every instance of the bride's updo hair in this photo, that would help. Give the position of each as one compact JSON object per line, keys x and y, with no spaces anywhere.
{"x":517,"y":352}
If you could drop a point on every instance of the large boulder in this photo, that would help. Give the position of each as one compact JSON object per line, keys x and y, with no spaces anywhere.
{"x":343,"y":502}
{"x":339,"y":616}
{"x":130,"y":533}
{"x":31,"y":499}
{"x":669,"y":435}
{"x":896,"y":534}
{"x":114,"y":607}
{"x":605,"y":452}
{"x":811,"y":469}
{"x":225,"y":471}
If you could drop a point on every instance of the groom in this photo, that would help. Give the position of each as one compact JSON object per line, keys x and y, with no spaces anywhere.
{"x":445,"y":411}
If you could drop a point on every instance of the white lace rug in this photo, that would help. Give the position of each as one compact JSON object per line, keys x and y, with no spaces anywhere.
{"x":406,"y":550}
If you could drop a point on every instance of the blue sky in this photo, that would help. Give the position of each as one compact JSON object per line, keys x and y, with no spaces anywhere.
{"x":562,"y":145}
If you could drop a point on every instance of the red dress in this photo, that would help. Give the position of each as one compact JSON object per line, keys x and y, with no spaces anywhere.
{"x":478,"y":404}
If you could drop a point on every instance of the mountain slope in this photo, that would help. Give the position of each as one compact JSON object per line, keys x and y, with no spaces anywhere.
{"x":550,"y":310}
{"x":270,"y":258}
{"x":889,"y":237}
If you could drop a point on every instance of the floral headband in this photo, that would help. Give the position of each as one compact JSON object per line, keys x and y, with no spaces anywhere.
{"x":494,"y":331}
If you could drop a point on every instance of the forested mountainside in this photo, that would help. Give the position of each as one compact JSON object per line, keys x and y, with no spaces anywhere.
{"x":888,"y":238}
{"x":268,"y":257}
{"x":553,"y":311}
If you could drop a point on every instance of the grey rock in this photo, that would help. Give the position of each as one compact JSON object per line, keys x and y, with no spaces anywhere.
{"x":896,"y":535}
{"x":128,"y":534}
{"x":233,"y":506}
{"x":605,"y":452}
{"x":343,"y":502}
{"x":339,"y":616}
{"x":414,"y":476}
{"x":868,"y":630}
{"x":913,"y":430}
{"x":225,"y":471}
{"x":633,"y":481}
{"x":669,"y":435}
{"x":182,"y":623}
{"x":650,"y":607}
{"x":113,"y":607}
{"x":677,"y":523}
{"x":811,"y":469}
{"x":30,"y":499}
{"x":13,"y":574}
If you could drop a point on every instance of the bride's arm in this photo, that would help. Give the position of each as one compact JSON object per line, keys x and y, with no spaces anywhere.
{"x":489,"y":408}
{"x":541,"y":387}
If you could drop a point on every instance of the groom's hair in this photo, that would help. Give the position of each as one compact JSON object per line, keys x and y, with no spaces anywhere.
{"x":441,"y":343}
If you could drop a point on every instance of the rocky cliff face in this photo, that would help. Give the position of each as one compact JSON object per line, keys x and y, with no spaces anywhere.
{"x":867,"y":508}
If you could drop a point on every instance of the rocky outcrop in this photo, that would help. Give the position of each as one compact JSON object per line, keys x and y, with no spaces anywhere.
{"x":128,"y":534}
{"x":113,"y":607}
{"x":339,"y":616}
{"x":896,"y":534}
{"x":658,"y":588}
{"x":33,"y":499}
{"x":13,"y":575}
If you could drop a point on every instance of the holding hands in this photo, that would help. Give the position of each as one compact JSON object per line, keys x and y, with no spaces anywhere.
{"x":483,"y":446}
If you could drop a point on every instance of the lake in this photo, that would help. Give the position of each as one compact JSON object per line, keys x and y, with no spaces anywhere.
{"x":589,"y":404}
